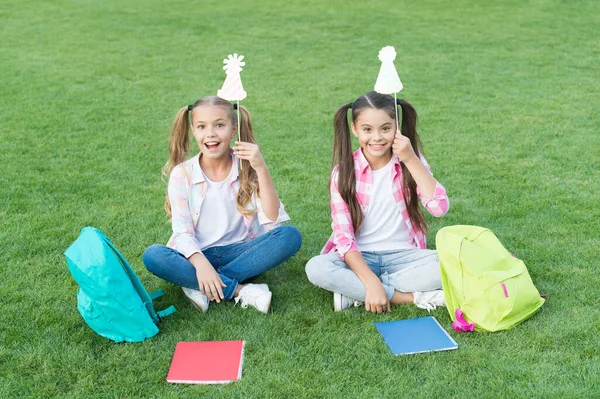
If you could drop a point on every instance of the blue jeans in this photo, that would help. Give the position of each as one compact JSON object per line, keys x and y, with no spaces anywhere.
{"x":234,"y":263}
{"x":407,"y":270}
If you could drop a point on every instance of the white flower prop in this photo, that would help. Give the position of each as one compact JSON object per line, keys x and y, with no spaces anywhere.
{"x":388,"y":81}
{"x":232,"y":89}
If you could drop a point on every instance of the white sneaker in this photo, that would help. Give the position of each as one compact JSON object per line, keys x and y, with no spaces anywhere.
{"x":341,"y":302}
{"x":198,"y":299}
{"x":256,"y":295}
{"x":429,"y":300}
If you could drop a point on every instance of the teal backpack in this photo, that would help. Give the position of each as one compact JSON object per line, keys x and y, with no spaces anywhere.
{"x":111,"y":299}
{"x":486,"y":288}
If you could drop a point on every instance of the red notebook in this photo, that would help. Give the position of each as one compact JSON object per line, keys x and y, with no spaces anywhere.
{"x":216,"y":362}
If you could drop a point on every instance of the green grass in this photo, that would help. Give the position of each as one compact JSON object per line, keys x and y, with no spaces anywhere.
{"x":507,"y":93}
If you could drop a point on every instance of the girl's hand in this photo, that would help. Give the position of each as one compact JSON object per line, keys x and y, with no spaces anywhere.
{"x":402,"y":148}
{"x":250,"y":152}
{"x":376,"y":299}
{"x":209,"y":282}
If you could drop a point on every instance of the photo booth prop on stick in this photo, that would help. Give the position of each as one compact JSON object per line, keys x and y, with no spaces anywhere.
{"x":388,"y":81}
{"x":232,"y":89}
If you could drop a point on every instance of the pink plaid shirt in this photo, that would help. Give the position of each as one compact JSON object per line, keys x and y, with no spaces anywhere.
{"x":187,"y":190}
{"x":343,"y":239}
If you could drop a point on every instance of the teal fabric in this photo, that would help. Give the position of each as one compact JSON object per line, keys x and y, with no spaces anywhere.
{"x":111,"y":299}
{"x":486,"y":282}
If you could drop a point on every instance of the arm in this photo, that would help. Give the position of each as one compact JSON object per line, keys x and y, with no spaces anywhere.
{"x":437,"y":204}
{"x":420,"y":173}
{"x":432,"y":193}
{"x":184,"y":237}
{"x":343,"y":231}
{"x":268,"y":194}
{"x":209,"y":281}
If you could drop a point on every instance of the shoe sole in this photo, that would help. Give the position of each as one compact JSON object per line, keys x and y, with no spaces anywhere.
{"x":268,"y":304}
{"x":194,"y":304}
{"x":337,"y":302}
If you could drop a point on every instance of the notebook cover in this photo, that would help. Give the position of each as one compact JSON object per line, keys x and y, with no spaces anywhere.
{"x":216,"y":362}
{"x":424,"y":334}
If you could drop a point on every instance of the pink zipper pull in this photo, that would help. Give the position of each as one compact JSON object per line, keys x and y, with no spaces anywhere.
{"x":505,"y":290}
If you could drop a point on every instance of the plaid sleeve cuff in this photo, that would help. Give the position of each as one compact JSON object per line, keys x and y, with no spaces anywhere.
{"x":438,"y":204}
{"x":348,"y":246}
{"x":263,"y":219}
{"x":186,"y":245}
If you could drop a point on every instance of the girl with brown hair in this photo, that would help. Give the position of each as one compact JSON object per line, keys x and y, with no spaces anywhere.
{"x":377,"y":255}
{"x":226,"y":219}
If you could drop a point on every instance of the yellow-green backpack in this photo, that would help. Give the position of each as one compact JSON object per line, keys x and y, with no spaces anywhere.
{"x":486,"y":288}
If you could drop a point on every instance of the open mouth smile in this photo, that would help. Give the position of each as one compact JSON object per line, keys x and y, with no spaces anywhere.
{"x":212,"y":145}
{"x":377,"y":147}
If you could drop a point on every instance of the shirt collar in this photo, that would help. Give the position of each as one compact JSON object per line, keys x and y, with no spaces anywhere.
{"x":361,"y":164}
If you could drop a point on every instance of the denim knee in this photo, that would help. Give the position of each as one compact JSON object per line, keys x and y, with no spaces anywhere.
{"x":314,"y":271}
{"x":292,"y":236}
{"x":151,"y":256}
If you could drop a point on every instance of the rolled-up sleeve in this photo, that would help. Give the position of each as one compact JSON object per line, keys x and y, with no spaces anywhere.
{"x":343,"y":231}
{"x":438,"y":204}
{"x":184,"y":239}
{"x":264,"y":220}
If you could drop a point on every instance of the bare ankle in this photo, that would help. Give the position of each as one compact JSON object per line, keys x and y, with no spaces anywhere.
{"x":238,"y":289}
{"x":402,"y":297}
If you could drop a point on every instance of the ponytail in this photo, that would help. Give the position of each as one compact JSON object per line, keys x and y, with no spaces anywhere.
{"x":248,"y":177}
{"x":179,"y":145}
{"x":342,"y":158}
{"x":408,"y":128}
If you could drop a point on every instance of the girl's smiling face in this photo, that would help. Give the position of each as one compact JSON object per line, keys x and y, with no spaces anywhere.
{"x":375,"y":131}
{"x":213,"y":129}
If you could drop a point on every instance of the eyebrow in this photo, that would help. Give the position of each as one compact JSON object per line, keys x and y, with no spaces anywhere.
{"x":367,"y":125}
{"x":215,"y":121}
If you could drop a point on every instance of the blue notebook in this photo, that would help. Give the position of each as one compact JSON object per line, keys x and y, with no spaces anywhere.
{"x":405,"y":337}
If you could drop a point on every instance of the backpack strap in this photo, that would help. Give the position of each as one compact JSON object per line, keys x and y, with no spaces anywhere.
{"x":164,"y":313}
{"x":461,"y":325}
{"x":156,"y":294}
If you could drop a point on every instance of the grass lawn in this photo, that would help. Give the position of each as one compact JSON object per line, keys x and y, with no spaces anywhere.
{"x":507,"y":93}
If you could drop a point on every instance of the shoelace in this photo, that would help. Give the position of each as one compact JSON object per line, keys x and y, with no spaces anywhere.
{"x":428,"y":307}
{"x":244,"y":304}
{"x":428,"y":304}
{"x":244,"y":293}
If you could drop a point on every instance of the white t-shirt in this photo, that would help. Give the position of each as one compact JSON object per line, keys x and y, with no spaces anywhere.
{"x":220,"y":223}
{"x":383,"y":228}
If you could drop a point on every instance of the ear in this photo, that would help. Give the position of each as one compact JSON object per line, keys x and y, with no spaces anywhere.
{"x":234,"y":131}
{"x":353,"y":127}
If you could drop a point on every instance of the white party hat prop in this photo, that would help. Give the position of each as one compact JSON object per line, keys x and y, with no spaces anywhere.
{"x":388,"y":81}
{"x":232,"y":89}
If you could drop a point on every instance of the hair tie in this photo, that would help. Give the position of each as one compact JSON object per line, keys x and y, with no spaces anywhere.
{"x":190,"y":107}
{"x":398,"y":101}
{"x":235,"y":107}
{"x":350,"y":105}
